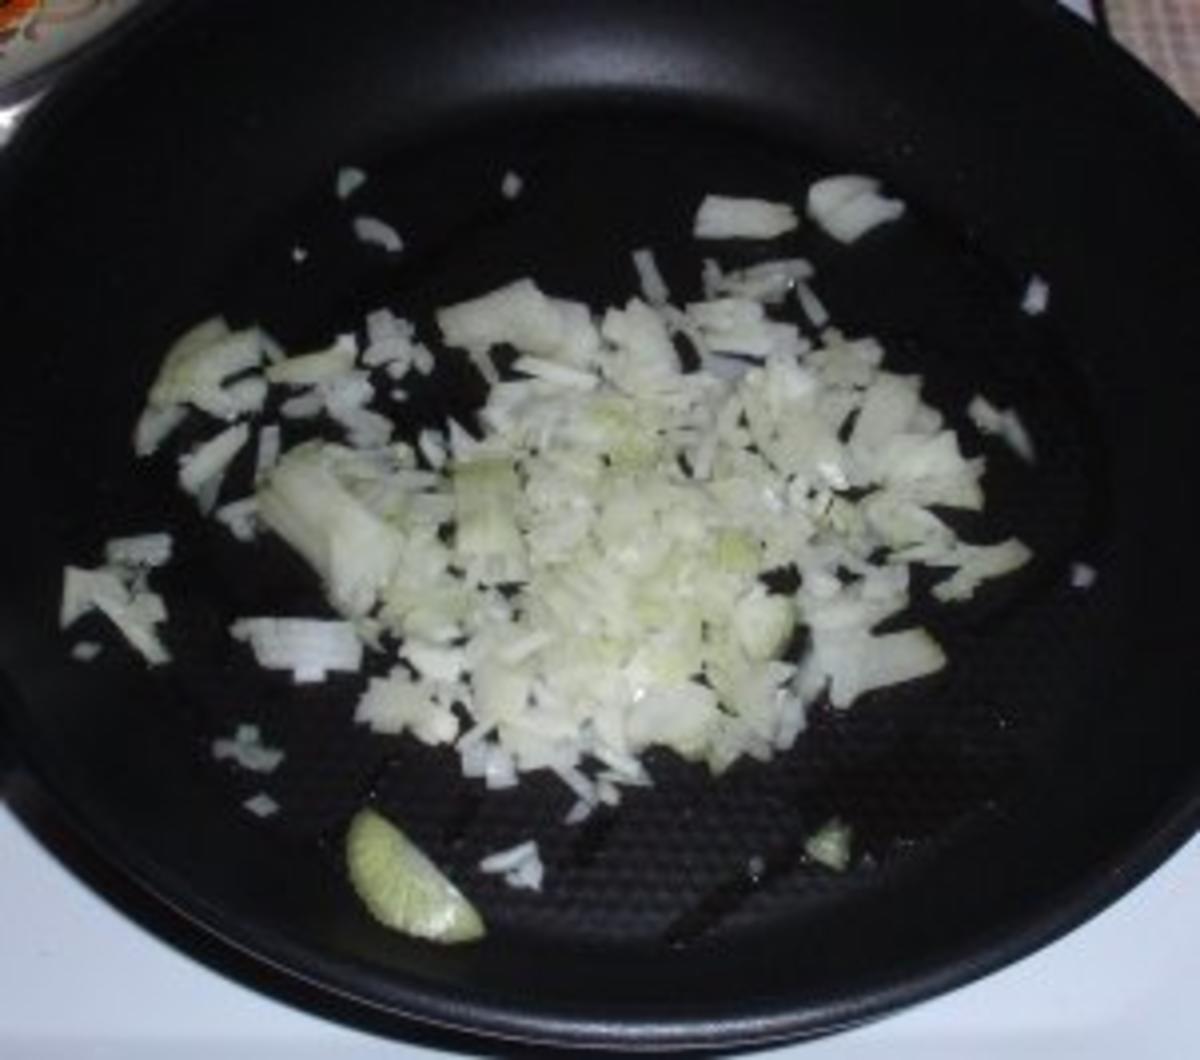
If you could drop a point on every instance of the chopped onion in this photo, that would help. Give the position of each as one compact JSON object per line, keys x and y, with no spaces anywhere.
{"x":377,"y":233}
{"x":351,"y":547}
{"x":1083,"y":576}
{"x":269,"y":447}
{"x":112,"y":592}
{"x":521,"y":866}
{"x":433,"y":449}
{"x":512,"y":185}
{"x":722,"y":217}
{"x":654,"y":287}
{"x":830,"y":845}
{"x":582,"y":572}
{"x":261,"y":805}
{"x":248,"y":751}
{"x":310,"y":648}
{"x":1005,"y":425}
{"x":977,"y":564}
{"x":198,"y":368}
{"x":558,"y":374}
{"x":311,"y":368}
{"x":849,"y":207}
{"x":741,"y":326}
{"x":397,"y":704}
{"x":521,"y":316}
{"x":154,"y":426}
{"x":144,"y":550}
{"x":86,"y":651}
{"x":240,"y":518}
{"x":768,"y":282}
{"x":205,"y":466}
{"x":1036,"y":299}
{"x":855,"y":662}
{"x":390,"y":341}
{"x":349,"y":180}
{"x":813,"y":307}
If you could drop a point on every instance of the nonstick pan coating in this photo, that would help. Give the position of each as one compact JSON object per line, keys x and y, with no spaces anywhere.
{"x":994,"y":808}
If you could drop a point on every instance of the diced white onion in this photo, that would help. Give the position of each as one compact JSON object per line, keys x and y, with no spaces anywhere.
{"x":135,"y":612}
{"x":1036,"y":300}
{"x":723,"y":217}
{"x":261,"y":805}
{"x":248,"y":751}
{"x":206,"y":465}
{"x":86,"y":651}
{"x":240,"y":518}
{"x":849,"y":207}
{"x":144,"y":550}
{"x":310,"y":648}
{"x":1004,"y":424}
{"x":154,"y":426}
{"x":520,"y":866}
{"x":349,"y":180}
{"x":512,"y":185}
{"x":308,"y":369}
{"x":650,"y":278}
{"x":830,"y":845}
{"x":580,"y":573}
{"x":377,"y":233}
{"x":1083,"y":576}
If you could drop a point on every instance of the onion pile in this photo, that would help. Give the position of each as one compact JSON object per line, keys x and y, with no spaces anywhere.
{"x":622,"y":551}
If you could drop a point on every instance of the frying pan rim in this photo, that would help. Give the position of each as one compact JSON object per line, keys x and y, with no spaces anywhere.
{"x":753,"y":1025}
{"x":1054,"y":918}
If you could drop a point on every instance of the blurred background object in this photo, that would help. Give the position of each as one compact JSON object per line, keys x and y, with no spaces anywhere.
{"x":35,"y":34}
{"x":1164,"y":34}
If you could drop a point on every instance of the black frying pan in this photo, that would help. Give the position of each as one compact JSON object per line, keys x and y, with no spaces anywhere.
{"x":1053,"y":767}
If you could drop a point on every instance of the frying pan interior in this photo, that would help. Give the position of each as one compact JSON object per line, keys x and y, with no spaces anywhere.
{"x":1052,"y":766}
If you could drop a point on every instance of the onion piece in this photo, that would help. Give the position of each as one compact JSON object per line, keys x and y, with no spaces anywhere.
{"x":1036,"y":299}
{"x":350,"y":547}
{"x":349,"y":180}
{"x":261,"y":805}
{"x":86,"y":651}
{"x":396,"y":703}
{"x":240,"y":518}
{"x":1004,"y":424}
{"x":134,"y":613}
{"x":199,"y":366}
{"x":522,"y":316}
{"x":829,"y":845}
{"x":768,"y":282}
{"x":311,"y":368}
{"x":310,"y":648}
{"x":848,"y":207}
{"x":248,"y":751}
{"x":512,"y":185}
{"x":201,"y":470}
{"x":154,"y":426}
{"x":377,"y":233}
{"x":144,"y":550}
{"x":723,"y":217}
{"x":520,"y":866}
{"x":1083,"y":576}
{"x":650,"y":278}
